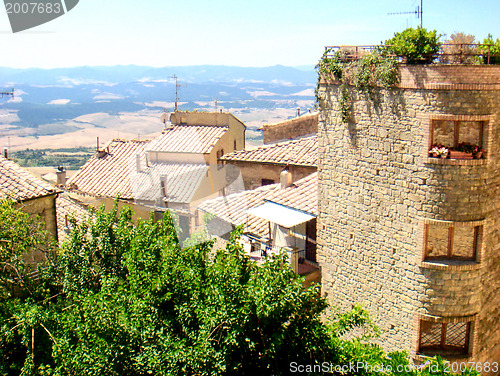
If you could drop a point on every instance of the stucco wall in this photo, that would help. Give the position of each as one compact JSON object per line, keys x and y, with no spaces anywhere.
{"x":253,"y":173}
{"x":378,"y":188}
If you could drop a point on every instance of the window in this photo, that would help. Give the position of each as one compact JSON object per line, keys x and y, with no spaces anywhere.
{"x":439,"y":338}
{"x":267,"y":181}
{"x":234,"y":145}
{"x":451,"y":242}
{"x":458,"y":136}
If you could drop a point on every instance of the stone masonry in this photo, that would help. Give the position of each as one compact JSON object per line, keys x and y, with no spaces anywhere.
{"x":381,"y":197}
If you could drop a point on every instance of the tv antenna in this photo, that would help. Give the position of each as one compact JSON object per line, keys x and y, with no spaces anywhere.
{"x":177,"y":87}
{"x":419,"y":12}
{"x":7,"y":93}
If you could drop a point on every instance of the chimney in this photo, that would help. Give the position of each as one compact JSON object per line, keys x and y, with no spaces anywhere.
{"x":138,"y":162}
{"x":298,"y":111}
{"x":286,"y":178}
{"x":163,"y":185}
{"x":6,"y":152}
{"x":61,"y":176}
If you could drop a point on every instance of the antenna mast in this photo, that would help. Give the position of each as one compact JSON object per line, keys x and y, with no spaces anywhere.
{"x":177,"y":87}
{"x":419,"y":12}
{"x":7,"y":93}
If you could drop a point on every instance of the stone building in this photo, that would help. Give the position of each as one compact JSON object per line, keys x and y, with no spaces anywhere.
{"x":305,"y":125}
{"x":32,"y":195}
{"x":413,"y":238}
{"x":264,"y":164}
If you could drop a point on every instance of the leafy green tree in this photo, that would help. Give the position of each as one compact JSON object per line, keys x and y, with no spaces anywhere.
{"x":125,"y":299}
{"x":417,"y":45}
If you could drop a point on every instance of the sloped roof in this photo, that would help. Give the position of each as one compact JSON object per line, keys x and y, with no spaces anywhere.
{"x":299,"y":152}
{"x":18,"y":184}
{"x":198,"y":139}
{"x":302,"y":195}
{"x":116,"y":174}
{"x":109,"y":175}
{"x":181,"y":182}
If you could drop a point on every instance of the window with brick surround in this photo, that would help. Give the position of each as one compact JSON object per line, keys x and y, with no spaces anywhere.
{"x":440,"y":338}
{"x":454,"y":133}
{"x":451,"y":242}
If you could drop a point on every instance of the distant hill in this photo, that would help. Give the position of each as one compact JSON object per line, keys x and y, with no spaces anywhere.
{"x":49,"y":102}
{"x":131,"y":73}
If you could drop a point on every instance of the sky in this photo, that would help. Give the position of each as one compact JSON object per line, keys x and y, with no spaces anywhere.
{"x":245,"y":33}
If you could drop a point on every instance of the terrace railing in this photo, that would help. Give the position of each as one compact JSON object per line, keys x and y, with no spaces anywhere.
{"x":449,"y":53}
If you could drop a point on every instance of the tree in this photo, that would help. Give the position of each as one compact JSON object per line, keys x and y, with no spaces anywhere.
{"x":417,"y":45}
{"x":124,"y":299}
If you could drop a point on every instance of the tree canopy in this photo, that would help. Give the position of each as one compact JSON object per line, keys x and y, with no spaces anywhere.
{"x":122,"y":298}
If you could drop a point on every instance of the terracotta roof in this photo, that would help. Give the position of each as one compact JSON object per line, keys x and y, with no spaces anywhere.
{"x":109,"y":175}
{"x":302,"y":195}
{"x":181,"y":182}
{"x":299,"y":152}
{"x":67,"y":208}
{"x":232,"y":208}
{"x":116,"y":174}
{"x":188,"y":139}
{"x":18,"y":184}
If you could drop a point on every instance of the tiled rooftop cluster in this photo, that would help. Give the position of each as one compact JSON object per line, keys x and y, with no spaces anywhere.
{"x":300,"y":152}
{"x":302,"y":195}
{"x":188,"y":139}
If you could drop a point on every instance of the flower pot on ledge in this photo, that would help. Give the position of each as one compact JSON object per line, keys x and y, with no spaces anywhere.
{"x":477,"y":155}
{"x":454,"y":154}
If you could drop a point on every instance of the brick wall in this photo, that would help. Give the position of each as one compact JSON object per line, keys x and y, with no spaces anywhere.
{"x":377,"y":187}
{"x":290,"y":129}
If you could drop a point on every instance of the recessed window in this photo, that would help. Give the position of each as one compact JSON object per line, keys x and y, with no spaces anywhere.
{"x":439,"y":338}
{"x":267,"y":181}
{"x":461,"y":139}
{"x":451,"y":242}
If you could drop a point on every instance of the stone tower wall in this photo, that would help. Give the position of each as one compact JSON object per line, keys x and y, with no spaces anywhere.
{"x":379,"y":191}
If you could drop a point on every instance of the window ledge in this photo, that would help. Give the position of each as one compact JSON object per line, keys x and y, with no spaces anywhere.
{"x":453,"y":358}
{"x":450,"y":265}
{"x":455,"y":162}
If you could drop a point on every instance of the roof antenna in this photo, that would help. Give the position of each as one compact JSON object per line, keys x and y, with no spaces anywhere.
{"x":177,"y":87}
{"x":7,"y":93}
{"x":419,"y":12}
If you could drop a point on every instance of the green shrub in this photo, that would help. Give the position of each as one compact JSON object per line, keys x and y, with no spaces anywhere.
{"x":418,"y":45}
{"x":493,"y":50}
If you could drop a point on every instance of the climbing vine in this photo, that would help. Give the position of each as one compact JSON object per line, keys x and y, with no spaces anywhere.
{"x":371,"y":70}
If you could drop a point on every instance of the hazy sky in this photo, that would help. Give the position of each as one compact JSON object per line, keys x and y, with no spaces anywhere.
{"x":228,"y":32}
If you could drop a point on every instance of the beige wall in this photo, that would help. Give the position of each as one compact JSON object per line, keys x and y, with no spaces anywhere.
{"x":253,"y":173}
{"x":378,"y":188}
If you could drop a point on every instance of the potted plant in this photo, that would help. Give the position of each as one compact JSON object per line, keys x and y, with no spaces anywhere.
{"x":477,"y":153}
{"x":439,"y":151}
{"x":464,"y":150}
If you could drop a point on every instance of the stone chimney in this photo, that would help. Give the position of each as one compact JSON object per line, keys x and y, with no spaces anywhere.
{"x":138,"y":162}
{"x":286,"y":178}
{"x":6,"y":152}
{"x":61,"y":176}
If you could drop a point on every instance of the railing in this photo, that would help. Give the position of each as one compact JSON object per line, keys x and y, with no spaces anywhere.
{"x":449,"y":53}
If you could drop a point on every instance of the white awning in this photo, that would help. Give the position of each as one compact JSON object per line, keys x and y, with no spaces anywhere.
{"x":282,"y":215}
